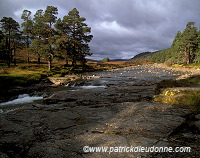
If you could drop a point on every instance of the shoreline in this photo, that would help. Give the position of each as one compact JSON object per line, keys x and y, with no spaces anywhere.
{"x":13,"y":92}
{"x":111,"y":115}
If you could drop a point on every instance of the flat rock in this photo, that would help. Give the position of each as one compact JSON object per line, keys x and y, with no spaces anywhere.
{"x":117,"y":115}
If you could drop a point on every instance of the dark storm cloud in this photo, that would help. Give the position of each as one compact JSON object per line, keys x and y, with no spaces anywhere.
{"x":121,"y":28}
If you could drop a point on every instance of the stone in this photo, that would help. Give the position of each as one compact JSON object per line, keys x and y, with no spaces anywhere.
{"x":118,"y":115}
{"x":3,"y":155}
{"x":197,"y":123}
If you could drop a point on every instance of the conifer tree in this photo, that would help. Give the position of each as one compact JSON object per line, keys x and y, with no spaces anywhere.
{"x":27,"y":29}
{"x":77,"y":38}
{"x":189,"y":42}
{"x":38,"y":35}
{"x":50,"y":19}
{"x":10,"y":31}
{"x":44,"y":33}
{"x":175,"y":48}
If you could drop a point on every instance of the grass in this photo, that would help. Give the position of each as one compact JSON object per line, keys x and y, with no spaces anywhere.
{"x":187,"y":99}
{"x":193,"y":65}
{"x":191,"y":81}
{"x":190,"y":101}
{"x":23,"y":74}
{"x":20,"y":78}
{"x":187,"y":65}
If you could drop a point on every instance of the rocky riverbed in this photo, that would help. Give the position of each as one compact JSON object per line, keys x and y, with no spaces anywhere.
{"x":111,"y":109}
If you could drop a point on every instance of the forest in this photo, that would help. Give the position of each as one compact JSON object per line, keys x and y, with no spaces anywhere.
{"x":45,"y":36}
{"x":185,"y":49}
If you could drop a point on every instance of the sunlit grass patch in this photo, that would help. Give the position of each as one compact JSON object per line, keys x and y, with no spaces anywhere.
{"x":20,"y":78}
{"x":193,"y":65}
{"x":190,"y":101}
{"x":191,"y":81}
{"x":187,"y":99}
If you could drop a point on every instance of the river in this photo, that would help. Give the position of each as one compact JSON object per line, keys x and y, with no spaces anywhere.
{"x":111,"y":109}
{"x":142,"y":75}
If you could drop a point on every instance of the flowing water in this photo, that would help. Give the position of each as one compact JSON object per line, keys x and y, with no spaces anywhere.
{"x":122,"y":77}
{"x":20,"y":102}
{"x":25,"y":99}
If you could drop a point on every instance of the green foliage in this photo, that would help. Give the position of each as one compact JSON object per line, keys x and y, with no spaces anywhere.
{"x":20,"y":79}
{"x":184,"y":49}
{"x":10,"y":39}
{"x":191,"y":101}
{"x":191,"y":81}
{"x":187,"y":99}
{"x":142,"y":57}
{"x":73,"y":37}
{"x":106,"y":60}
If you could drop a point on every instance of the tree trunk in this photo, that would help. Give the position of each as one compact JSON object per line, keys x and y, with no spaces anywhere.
{"x":8,"y":61}
{"x":9,"y":51}
{"x":38,"y":61}
{"x":14,"y":58}
{"x":50,"y":62}
{"x":49,"y":65}
{"x":28,"y":58}
{"x":187,"y":56}
{"x":66,"y":62}
{"x":14,"y":54}
{"x":73,"y":62}
{"x":27,"y":45}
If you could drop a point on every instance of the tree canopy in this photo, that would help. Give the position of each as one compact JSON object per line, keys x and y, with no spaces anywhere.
{"x":47,"y":36}
{"x":185,"y":48}
{"x":9,"y":38}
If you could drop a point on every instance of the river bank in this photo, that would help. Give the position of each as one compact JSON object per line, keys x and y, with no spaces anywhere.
{"x":114,"y":109}
{"x":9,"y":91}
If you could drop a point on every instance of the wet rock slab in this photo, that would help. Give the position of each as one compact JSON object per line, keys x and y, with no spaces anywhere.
{"x":61,"y":130}
{"x":117,"y":115}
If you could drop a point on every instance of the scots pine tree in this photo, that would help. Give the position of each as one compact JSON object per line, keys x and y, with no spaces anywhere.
{"x":44,"y":32}
{"x":10,"y":31}
{"x":189,"y":42}
{"x":27,"y":29}
{"x":77,"y":36}
{"x":50,"y":19}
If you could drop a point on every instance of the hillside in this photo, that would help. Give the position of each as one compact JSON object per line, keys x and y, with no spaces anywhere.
{"x":185,"y":49}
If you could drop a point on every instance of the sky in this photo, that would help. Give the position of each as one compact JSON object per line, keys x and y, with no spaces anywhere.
{"x":120,"y":28}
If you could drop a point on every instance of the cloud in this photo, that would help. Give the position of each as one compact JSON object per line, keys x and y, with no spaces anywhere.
{"x":121,"y":29}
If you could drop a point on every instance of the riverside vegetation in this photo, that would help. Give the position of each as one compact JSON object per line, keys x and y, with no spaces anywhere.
{"x":110,"y":115}
{"x":185,"y":49}
{"x":46,"y":37}
{"x":114,"y":108}
{"x":183,"y":93}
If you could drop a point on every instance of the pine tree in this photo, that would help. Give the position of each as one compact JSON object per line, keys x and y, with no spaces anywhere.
{"x":50,"y":19}
{"x":197,"y":54}
{"x":44,"y":33}
{"x":77,"y":38}
{"x":38,"y":35}
{"x":10,"y":30}
{"x":189,"y":42}
{"x":176,"y":48}
{"x":62,"y":44}
{"x":27,"y":29}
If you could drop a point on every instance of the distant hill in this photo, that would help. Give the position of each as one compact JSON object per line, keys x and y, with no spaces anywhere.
{"x":141,"y":55}
{"x":160,"y":56}
{"x":120,"y":60}
{"x":92,"y":60}
{"x":185,"y":49}
{"x":113,"y":60}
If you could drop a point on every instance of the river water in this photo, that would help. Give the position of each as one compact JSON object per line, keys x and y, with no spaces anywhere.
{"x":138,"y":75}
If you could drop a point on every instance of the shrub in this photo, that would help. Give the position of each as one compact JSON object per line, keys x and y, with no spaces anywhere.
{"x":169,"y":62}
{"x":106,"y":60}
